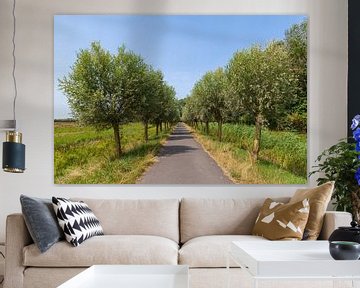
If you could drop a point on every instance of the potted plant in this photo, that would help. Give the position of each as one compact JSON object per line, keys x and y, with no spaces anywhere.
{"x":341,"y":163}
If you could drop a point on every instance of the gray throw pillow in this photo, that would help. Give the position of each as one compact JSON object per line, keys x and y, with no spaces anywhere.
{"x":41,"y":221}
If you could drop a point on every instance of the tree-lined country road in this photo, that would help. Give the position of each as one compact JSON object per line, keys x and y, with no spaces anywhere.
{"x":182,"y":160}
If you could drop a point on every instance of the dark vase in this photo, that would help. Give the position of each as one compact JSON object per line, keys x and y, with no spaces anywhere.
{"x":351,"y":233}
{"x":343,"y":250}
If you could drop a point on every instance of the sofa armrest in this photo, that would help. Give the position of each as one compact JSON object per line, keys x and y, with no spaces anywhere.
{"x":17,"y":237}
{"x":333,"y":220}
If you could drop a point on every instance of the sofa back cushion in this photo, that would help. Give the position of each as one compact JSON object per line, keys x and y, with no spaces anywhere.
{"x":159,"y":217}
{"x":200,"y":217}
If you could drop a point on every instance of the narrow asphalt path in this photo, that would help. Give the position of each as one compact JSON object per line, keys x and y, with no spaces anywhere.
{"x":182,"y":160}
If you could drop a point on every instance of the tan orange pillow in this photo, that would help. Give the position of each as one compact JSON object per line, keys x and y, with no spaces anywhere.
{"x":319,"y":198}
{"x":279,"y":221}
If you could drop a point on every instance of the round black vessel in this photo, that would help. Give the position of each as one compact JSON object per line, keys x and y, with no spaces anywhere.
{"x":344,"y":250}
{"x":350,"y":234}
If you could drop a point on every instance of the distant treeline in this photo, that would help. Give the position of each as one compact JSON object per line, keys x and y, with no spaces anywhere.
{"x":64,"y":120}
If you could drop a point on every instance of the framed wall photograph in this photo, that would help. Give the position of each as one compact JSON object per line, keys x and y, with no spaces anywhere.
{"x":180,"y":99}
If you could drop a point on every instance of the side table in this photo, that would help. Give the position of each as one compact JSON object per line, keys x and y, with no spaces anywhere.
{"x":293,"y":263}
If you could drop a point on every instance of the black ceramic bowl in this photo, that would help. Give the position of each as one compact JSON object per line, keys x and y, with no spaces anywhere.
{"x":344,"y":250}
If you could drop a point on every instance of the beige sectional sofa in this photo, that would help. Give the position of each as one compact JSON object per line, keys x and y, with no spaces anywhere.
{"x":194,"y":232}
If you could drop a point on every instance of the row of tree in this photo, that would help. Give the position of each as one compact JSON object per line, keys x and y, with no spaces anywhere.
{"x":260,"y":86}
{"x":108,"y":90}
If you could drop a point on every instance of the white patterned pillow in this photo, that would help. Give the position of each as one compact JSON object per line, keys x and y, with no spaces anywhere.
{"x":77,"y":220}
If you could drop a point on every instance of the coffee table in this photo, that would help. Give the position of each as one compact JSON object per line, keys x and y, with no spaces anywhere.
{"x":131,"y":276}
{"x":292,"y":260}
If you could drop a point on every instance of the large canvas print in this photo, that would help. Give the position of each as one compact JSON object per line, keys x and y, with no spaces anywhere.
{"x":180,"y":99}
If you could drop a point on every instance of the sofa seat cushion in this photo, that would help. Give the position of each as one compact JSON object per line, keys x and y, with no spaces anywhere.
{"x":211,"y":251}
{"x":107,"y":249}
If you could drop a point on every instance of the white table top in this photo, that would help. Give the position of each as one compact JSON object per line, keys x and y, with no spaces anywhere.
{"x":291,"y":259}
{"x":131,"y":276}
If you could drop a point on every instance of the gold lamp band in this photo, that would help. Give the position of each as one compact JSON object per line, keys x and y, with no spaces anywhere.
{"x":13,"y":170}
{"x":14,"y":136}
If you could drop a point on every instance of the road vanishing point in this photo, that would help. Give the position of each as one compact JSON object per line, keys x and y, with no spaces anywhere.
{"x":182,"y":160}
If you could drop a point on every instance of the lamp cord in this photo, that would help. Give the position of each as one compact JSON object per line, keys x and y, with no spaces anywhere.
{"x":14,"y":61}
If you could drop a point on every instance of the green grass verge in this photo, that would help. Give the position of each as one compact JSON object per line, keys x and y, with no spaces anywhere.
{"x":282,"y":159}
{"x":83,"y":155}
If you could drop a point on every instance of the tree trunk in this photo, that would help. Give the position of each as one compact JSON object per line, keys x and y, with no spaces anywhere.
{"x":355,"y":203}
{"x":220,"y":130}
{"x":257,"y":137}
{"x":207,"y":127}
{"x":118,"y":150}
{"x":146,"y":131}
{"x":157,"y":129}
{"x":161,"y":128}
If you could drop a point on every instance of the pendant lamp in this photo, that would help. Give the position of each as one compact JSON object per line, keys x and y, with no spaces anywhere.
{"x":13,"y":160}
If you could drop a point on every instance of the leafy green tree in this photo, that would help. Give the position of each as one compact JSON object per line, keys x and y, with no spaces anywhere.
{"x":150,"y":98}
{"x":200,"y":106}
{"x":190,"y":113}
{"x":160,"y":111}
{"x":260,"y":82}
{"x":182,"y":103}
{"x":170,"y":106}
{"x":103,"y":89}
{"x":211,"y":93}
{"x":296,"y":45}
{"x":173,"y":115}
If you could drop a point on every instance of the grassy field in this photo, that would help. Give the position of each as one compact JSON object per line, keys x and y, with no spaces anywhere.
{"x":86,"y":156}
{"x":282,"y":159}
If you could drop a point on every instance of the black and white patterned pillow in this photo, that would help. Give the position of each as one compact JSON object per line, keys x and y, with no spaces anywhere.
{"x":77,"y":220}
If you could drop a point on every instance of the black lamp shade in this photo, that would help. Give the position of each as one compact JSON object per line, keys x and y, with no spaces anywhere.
{"x":13,"y":157}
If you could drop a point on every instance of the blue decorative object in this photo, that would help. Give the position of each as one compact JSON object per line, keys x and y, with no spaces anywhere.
{"x":357,"y":147}
{"x":355,"y":126}
{"x":356,"y":134}
{"x":355,"y":122}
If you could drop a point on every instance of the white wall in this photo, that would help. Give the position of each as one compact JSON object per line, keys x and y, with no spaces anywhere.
{"x":327,"y":89}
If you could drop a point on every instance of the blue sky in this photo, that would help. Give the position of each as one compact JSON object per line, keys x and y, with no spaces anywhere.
{"x":183,"y":47}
